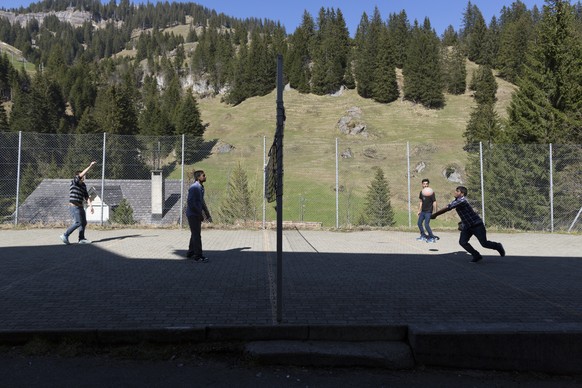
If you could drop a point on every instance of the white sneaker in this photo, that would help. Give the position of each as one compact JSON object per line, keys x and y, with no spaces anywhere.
{"x":64,"y":239}
{"x":85,"y":241}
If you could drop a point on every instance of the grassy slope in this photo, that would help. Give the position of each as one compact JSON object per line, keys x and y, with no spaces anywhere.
{"x":435,"y":138}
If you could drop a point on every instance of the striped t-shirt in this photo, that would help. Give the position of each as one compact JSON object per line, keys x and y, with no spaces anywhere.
{"x":78,"y":191}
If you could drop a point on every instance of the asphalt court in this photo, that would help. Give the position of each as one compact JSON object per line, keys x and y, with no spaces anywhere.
{"x":138,"y":278}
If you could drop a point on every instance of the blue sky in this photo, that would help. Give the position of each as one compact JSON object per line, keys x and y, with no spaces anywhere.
{"x":441,"y":13}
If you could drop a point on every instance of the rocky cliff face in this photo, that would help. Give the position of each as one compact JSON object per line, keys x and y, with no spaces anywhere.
{"x":76,"y":18}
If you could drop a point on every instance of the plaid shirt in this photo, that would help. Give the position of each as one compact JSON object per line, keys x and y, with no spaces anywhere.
{"x":465,"y":211}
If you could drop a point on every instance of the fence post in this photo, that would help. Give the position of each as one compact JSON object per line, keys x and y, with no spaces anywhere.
{"x":482,"y":181}
{"x":408,"y":178}
{"x":551,"y":191}
{"x":103,"y":175}
{"x":336,"y":184}
{"x":182,"y":183}
{"x":18,"y":177}
{"x":264,"y":182}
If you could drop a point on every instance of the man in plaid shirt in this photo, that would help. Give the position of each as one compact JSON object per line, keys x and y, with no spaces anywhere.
{"x":471,"y":224}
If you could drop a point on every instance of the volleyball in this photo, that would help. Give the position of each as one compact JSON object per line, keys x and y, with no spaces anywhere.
{"x":427,"y":191}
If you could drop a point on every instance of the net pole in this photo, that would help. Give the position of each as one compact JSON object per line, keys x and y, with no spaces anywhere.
{"x":482,"y":181}
{"x":551,"y":190}
{"x":279,"y":145}
{"x":264,"y":181}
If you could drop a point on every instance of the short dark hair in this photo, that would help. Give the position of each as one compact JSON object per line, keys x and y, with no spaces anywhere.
{"x":197,"y":174}
{"x":463,"y":190}
{"x":425,"y":180}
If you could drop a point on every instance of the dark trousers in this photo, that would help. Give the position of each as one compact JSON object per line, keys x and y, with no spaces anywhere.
{"x":80,"y":221}
{"x":480,"y":232}
{"x":195,"y":246}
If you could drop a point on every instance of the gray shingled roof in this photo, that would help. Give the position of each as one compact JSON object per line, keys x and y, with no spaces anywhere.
{"x":48,"y":203}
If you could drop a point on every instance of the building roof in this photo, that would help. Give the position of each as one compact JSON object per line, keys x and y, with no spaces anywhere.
{"x":49,"y":202}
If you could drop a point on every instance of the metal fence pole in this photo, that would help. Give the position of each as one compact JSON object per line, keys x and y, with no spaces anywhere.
{"x":18,"y":177}
{"x":264,"y":182}
{"x":103,"y":175}
{"x":408,"y":178}
{"x":551,"y":191}
{"x":482,"y":181}
{"x":336,"y":184}
{"x":182,"y":183}
{"x":575,"y":219}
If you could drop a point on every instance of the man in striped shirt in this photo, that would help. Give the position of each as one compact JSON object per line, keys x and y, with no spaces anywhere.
{"x":77,"y":196}
{"x":471,"y":225}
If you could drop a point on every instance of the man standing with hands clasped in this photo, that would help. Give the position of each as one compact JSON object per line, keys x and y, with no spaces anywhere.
{"x":77,"y":196}
{"x":197,"y":211}
{"x":471,"y":224}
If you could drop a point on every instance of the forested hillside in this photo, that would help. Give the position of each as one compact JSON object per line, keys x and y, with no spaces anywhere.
{"x":148,"y":59}
{"x":127,"y":69}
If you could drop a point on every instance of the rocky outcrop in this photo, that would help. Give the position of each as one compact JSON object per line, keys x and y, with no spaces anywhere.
{"x":352,"y":123}
{"x":76,"y":18}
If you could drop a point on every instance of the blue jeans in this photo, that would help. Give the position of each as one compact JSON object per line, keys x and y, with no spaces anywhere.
{"x":425,"y":217}
{"x":80,"y":221}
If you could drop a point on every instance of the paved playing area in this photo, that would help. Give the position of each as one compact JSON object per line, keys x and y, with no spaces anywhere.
{"x":138,"y":278}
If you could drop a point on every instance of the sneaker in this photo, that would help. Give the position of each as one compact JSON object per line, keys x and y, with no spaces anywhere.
{"x":64,"y":239}
{"x":477,"y":259}
{"x":421,"y":238}
{"x":501,"y":250}
{"x":201,"y":259}
{"x":431,"y":240}
{"x":85,"y":241}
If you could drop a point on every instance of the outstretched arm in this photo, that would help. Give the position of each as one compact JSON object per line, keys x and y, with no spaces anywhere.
{"x":82,"y":174}
{"x":436,"y":214}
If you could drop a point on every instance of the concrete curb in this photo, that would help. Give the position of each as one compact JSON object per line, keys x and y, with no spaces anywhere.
{"x":526,"y":348}
{"x":556,"y":351}
{"x":211,"y":334}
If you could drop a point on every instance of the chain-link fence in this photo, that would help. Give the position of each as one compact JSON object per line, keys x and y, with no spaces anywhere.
{"x":329,"y":182}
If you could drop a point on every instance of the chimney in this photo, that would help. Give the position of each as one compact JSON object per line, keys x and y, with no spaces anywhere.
{"x":158,"y":194}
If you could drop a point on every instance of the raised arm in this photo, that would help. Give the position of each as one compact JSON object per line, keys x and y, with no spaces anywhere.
{"x":82,"y":174}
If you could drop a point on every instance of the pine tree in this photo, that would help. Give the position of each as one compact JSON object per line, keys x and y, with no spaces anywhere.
{"x":122,"y":214}
{"x":455,"y":70}
{"x":330,"y":51}
{"x":240,"y":78}
{"x":546,"y":108}
{"x":450,"y":37}
{"x":4,"y":127}
{"x":190,"y":124}
{"x":475,"y":35}
{"x":298,"y":55}
{"x":484,"y":85}
{"x":484,"y":126}
{"x":515,"y":36}
{"x":237,"y":204}
{"x":422,"y":72}
{"x":399,"y":32}
{"x":364,"y":57}
{"x":491,"y":44}
{"x":378,"y":210}
{"x":385,"y":87}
